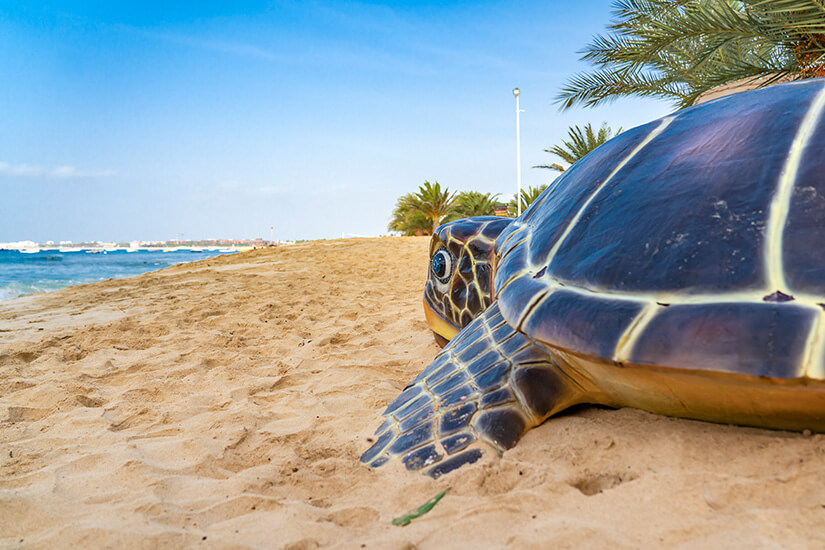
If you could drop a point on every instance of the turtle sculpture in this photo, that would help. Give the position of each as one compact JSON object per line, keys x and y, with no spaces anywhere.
{"x":678,"y":268}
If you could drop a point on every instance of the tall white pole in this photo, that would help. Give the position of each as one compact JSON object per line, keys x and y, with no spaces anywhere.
{"x":518,"y":154}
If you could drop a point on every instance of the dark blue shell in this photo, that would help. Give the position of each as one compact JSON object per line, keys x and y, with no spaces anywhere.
{"x":718,"y":209}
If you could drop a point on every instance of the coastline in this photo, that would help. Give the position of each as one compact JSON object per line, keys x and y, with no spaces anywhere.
{"x":225,"y":402}
{"x":36,"y":270}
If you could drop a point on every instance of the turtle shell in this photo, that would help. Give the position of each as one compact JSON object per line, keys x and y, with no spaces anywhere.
{"x":696,"y":241}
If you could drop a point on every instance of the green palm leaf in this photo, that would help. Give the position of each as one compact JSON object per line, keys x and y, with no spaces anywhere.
{"x":680,"y":49}
{"x":528,"y":196}
{"x":581,"y":141}
{"x":474,"y":203}
{"x":422,"y":212}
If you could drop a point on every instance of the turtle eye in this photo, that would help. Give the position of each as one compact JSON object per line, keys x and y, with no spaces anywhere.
{"x":442,"y":265}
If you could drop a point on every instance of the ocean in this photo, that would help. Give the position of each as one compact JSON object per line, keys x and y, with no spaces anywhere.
{"x":29,"y":273}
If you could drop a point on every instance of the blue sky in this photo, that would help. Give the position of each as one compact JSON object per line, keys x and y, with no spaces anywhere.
{"x":125,"y":121}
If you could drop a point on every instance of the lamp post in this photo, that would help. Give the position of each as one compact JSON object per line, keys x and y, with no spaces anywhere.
{"x":518,"y":154}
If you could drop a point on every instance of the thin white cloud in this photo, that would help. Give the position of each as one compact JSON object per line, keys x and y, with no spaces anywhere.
{"x":234,"y":48}
{"x":60,"y":172}
{"x":222,"y":46}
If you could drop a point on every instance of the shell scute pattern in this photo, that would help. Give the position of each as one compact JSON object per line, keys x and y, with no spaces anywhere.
{"x":565,"y":197}
{"x":704,"y":221}
{"x":676,"y":269}
{"x":591,"y":324}
{"x":693,"y":214}
{"x":518,"y":299}
{"x":513,"y":235}
{"x":756,"y":339}
{"x":804,"y":265}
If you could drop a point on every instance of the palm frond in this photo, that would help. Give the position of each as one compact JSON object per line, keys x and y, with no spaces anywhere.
{"x":422,"y":212}
{"x":528,"y":196}
{"x":474,"y":203}
{"x":679,"y":49}
{"x":553,"y":166}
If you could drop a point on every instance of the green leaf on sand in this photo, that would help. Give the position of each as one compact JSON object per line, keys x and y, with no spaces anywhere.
{"x":423,"y":509}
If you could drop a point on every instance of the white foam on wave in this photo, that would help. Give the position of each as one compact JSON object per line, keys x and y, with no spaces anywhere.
{"x":16,"y":289}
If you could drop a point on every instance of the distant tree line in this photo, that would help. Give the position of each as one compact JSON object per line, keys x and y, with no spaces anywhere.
{"x":421,"y":212}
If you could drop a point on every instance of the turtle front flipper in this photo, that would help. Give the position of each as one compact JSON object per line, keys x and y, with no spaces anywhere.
{"x":488,"y":386}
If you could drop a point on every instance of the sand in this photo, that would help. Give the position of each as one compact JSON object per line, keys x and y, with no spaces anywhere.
{"x":225,"y":403}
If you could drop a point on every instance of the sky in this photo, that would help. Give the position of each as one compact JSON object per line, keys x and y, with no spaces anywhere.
{"x":126,"y":121}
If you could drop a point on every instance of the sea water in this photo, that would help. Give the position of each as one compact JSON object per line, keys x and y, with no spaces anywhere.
{"x":28,"y":273}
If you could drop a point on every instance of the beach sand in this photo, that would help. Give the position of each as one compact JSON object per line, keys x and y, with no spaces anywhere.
{"x":225,"y":403}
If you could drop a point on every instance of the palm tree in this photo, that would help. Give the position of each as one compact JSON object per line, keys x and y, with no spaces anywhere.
{"x":681,"y":49}
{"x":407,"y":217}
{"x":581,"y":142}
{"x":422,"y":212}
{"x":474,"y":203}
{"x":527,"y":197}
{"x":436,"y":205}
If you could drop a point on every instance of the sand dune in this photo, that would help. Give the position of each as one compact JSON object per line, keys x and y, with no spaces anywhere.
{"x":225,"y":403}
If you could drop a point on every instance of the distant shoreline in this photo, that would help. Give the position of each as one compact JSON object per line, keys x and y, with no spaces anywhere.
{"x":95,"y":249}
{"x":35,"y":270}
{"x":199,"y":245}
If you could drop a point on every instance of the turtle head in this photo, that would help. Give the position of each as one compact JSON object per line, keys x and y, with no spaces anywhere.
{"x":460,"y":278}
